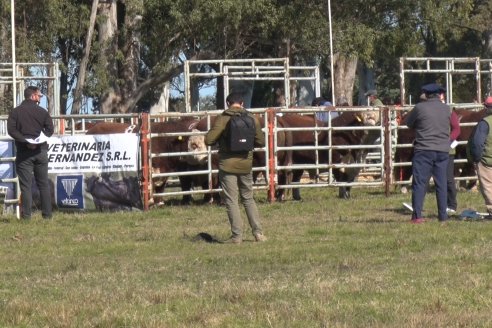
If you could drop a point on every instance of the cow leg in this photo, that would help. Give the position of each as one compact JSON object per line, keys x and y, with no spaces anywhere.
{"x":283,"y":179}
{"x":296,"y":177}
{"x":186,"y":183}
{"x":208,"y":198}
{"x":344,"y":192}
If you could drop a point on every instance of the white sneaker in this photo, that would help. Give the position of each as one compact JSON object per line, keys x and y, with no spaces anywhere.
{"x":450,"y":211}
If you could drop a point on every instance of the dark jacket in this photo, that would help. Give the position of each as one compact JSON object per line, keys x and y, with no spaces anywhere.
{"x":478,"y":141}
{"x":233,"y":162}
{"x":26,"y":121}
{"x":430,"y":120}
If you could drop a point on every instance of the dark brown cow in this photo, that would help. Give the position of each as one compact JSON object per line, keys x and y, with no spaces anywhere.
{"x":284,"y":138}
{"x":169,"y":144}
{"x":406,"y":136}
{"x":338,"y":138}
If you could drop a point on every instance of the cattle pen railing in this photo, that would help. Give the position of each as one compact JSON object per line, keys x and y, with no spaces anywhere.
{"x":381,"y":163}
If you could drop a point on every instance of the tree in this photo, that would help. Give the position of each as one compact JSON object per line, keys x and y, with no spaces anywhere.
{"x":139,"y":45}
{"x":77,"y":98}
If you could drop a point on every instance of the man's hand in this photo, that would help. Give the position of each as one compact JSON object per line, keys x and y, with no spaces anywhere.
{"x":32,"y":146}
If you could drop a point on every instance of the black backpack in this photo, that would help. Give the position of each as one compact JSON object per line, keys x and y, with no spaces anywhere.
{"x":240,"y":133}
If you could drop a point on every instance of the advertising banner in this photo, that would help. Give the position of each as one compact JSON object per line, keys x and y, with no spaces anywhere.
{"x":93,"y":153}
{"x":7,"y":168}
{"x":95,"y":172}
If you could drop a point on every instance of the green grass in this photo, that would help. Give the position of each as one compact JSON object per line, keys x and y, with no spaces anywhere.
{"x":327,"y":263}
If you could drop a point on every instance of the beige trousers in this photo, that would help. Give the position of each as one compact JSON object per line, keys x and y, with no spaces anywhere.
{"x":485,"y":179}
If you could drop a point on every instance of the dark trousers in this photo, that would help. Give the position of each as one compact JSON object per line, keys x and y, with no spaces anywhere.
{"x":427,"y":163}
{"x":452,"y":203}
{"x":29,"y":163}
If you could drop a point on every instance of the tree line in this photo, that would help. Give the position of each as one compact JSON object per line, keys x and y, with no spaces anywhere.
{"x":120,"y":53}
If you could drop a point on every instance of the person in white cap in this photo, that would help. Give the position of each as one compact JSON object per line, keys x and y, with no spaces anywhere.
{"x":480,"y":152}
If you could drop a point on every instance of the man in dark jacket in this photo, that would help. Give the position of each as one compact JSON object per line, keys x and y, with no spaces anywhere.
{"x":430,"y":120}
{"x":235,"y":171}
{"x":480,"y":148}
{"x":29,"y":125}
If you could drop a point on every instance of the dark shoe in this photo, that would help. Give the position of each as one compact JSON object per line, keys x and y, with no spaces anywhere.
{"x":417,"y":221}
{"x":260,"y":237}
{"x":47,"y":217}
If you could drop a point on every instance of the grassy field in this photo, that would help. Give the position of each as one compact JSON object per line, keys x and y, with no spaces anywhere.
{"x":327,"y":263}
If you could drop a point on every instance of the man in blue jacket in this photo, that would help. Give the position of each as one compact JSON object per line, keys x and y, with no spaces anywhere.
{"x":430,"y":120}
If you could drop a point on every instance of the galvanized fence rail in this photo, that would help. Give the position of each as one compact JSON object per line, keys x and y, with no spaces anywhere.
{"x":379,"y":164}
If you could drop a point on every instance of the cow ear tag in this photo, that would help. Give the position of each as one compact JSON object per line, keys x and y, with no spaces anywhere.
{"x":180,"y":138}
{"x":358,"y":118}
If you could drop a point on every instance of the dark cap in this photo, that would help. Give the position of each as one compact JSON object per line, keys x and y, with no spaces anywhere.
{"x":433,"y":88}
{"x":318,"y":101}
{"x":371,"y":92}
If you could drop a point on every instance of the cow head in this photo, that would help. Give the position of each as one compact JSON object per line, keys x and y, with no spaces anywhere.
{"x":197,"y":148}
{"x":370,"y":118}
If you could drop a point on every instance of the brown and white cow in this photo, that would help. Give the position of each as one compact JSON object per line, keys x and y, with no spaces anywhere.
{"x":338,"y":138}
{"x":162,"y":143}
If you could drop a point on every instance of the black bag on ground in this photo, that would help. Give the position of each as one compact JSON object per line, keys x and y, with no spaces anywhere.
{"x":241,"y":133}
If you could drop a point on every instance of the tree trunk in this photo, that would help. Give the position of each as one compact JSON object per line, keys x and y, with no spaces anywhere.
{"x":107,"y":39}
{"x":344,"y":73}
{"x":77,"y":99}
{"x":131,"y":51}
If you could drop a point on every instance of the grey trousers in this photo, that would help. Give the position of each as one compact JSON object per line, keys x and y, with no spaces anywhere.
{"x":234,"y":186}
{"x":35,"y":163}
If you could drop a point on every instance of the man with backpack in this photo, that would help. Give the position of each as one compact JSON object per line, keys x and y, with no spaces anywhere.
{"x":237,"y":131}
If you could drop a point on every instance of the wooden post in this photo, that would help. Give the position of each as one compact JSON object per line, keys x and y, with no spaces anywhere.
{"x":271,"y":154}
{"x":146,"y":178}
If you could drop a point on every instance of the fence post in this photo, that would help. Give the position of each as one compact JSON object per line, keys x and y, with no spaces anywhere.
{"x":387,"y":150}
{"x":146,"y":179}
{"x":271,"y":154}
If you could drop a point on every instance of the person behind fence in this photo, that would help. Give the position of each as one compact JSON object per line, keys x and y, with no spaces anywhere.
{"x":373,"y":100}
{"x":237,"y":131}
{"x":29,"y":124}
{"x":430,"y":119}
{"x":455,"y":130}
{"x":479,"y":150}
{"x":324,"y":115}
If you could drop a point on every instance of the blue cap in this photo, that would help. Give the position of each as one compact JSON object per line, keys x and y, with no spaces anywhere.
{"x":433,"y":88}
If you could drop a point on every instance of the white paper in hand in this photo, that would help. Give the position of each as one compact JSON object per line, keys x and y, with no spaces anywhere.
{"x":42,"y":138}
{"x":454,"y":144}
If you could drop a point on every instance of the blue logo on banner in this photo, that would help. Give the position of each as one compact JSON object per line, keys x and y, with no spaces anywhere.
{"x":69,"y":191}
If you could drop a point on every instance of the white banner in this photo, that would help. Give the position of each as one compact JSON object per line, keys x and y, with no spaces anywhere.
{"x":93,"y":153}
{"x":7,"y":168}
